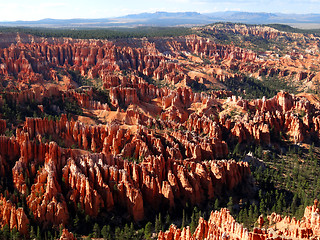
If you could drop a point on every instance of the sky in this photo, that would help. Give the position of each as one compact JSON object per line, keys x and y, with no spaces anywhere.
{"x":12,"y":10}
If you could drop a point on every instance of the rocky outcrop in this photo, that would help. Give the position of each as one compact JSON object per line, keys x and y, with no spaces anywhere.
{"x":3,"y":126}
{"x":175,"y":166}
{"x":221,"y":225}
{"x":104,"y":180}
{"x":158,"y":145}
{"x":133,"y":186}
{"x":12,"y":216}
{"x":46,"y":199}
{"x":143,"y":169}
{"x":283,"y":113}
{"x":66,"y":235}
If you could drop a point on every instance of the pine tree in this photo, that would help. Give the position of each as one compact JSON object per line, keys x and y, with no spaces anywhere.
{"x":50,"y":235}
{"x":183,"y":219}
{"x":262,"y":207}
{"x":255,"y":212}
{"x":6,"y":231}
{"x":294,"y":204}
{"x":39,"y":234}
{"x":104,"y":232}
{"x":168,"y":220}
{"x":245,"y":217}
{"x":148,"y":230}
{"x":126,"y":232}
{"x":236,"y":150}
{"x":279,"y":204}
{"x":76,"y":222}
{"x":96,"y":230}
{"x":158,"y":223}
{"x":32,"y":233}
{"x":311,"y":154}
{"x":194,"y":220}
{"x":131,"y":231}
{"x":118,"y":234}
{"x":15,"y":234}
{"x":240,"y":216}
{"x":250,"y":214}
{"x":260,"y":194}
{"x":258,"y":152}
{"x":230,"y":205}
{"x":216,"y":204}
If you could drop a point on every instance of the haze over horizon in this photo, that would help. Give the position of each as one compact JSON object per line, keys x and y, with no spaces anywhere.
{"x":40,"y":9}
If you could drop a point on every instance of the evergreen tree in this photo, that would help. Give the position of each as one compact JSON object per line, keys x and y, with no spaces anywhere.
{"x":258,"y":152}
{"x":194,"y":220}
{"x":148,"y":230}
{"x":255,"y":212}
{"x":158,"y":223}
{"x":216,"y":204}
{"x":76,"y":222}
{"x":168,"y":220}
{"x":294,"y":204}
{"x":15,"y":234}
{"x":279,"y":205}
{"x":6,"y":231}
{"x":87,"y":219}
{"x":96,"y":230}
{"x":118,"y":234}
{"x":262,"y":207}
{"x":126,"y":232}
{"x":32,"y":233}
{"x":39,"y":234}
{"x":183,"y":224}
{"x":245,"y":217}
{"x":240,"y":216}
{"x":60,"y":230}
{"x":250,"y":214}
{"x":104,"y":232}
{"x":131,"y":230}
{"x":230,"y":205}
{"x":50,"y":235}
{"x":236,"y":150}
{"x":311,"y":154}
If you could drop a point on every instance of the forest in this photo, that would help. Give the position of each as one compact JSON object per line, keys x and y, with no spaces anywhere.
{"x":108,"y":33}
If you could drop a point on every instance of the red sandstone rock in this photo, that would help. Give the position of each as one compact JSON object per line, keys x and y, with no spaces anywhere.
{"x":176,"y":151}
{"x":12,"y":216}
{"x":221,"y":225}
{"x":93,"y":185}
{"x":3,"y":126}
{"x":66,"y":235}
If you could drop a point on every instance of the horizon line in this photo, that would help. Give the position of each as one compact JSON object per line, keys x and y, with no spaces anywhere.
{"x":200,"y":12}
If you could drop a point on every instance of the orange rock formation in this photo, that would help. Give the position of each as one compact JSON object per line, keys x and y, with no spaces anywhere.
{"x":221,"y":225}
{"x":151,"y":141}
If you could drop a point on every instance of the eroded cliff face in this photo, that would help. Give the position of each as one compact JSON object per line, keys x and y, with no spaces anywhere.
{"x":12,"y":216}
{"x":66,"y":235}
{"x":179,"y":60}
{"x":221,"y":225}
{"x":99,"y":181}
{"x":146,"y":141}
{"x":36,"y":61}
{"x":294,"y":116}
{"x":142,"y":168}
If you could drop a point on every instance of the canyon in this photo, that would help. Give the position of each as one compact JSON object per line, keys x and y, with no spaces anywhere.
{"x":139,"y":126}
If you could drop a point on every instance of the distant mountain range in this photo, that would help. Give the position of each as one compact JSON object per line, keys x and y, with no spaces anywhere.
{"x":164,"y":19}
